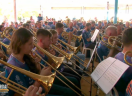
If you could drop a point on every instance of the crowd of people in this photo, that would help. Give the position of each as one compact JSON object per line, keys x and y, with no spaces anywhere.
{"x":48,"y":32}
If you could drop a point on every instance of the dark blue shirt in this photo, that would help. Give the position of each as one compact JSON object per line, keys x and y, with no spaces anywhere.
{"x":122,"y":83}
{"x":7,"y":42}
{"x":17,"y":76}
{"x":92,"y":28}
{"x":40,"y":18}
{"x":86,"y":35}
{"x":69,"y":30}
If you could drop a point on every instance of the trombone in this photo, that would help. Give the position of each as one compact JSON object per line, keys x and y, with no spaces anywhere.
{"x":74,"y":38}
{"x":125,"y":58}
{"x":55,"y":61}
{"x":75,"y":51}
{"x":7,"y":30}
{"x":114,"y":38}
{"x":45,"y":81}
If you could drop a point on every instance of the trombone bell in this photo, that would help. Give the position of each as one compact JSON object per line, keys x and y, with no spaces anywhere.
{"x":125,"y":58}
{"x":45,"y":81}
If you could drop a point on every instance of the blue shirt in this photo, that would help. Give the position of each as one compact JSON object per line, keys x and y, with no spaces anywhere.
{"x":69,"y":30}
{"x":86,"y":35}
{"x":52,"y":26}
{"x":92,"y":28}
{"x":82,"y":27}
{"x":7,"y":42}
{"x":40,"y":18}
{"x":122,"y":83}
{"x":17,"y":76}
{"x":61,"y":38}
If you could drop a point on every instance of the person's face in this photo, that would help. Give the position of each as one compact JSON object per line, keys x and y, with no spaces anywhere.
{"x":31,"y":17}
{"x":27,"y":47}
{"x":71,"y":25}
{"x":46,"y":41}
{"x":27,"y":27}
{"x":39,"y":15}
{"x":2,"y":29}
{"x":99,"y":23}
{"x":127,"y":24}
{"x":16,"y":25}
{"x":54,"y":39}
{"x":39,"y":25}
{"x":93,"y":24}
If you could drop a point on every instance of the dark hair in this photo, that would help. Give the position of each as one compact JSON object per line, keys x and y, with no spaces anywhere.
{"x":20,"y":37}
{"x":43,"y":32}
{"x":24,"y":25}
{"x":88,"y":24}
{"x":53,"y":32}
{"x":127,"y":37}
{"x":59,"y":25}
{"x":1,"y":27}
{"x":92,"y":22}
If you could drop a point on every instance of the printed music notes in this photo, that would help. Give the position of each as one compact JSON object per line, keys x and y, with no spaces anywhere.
{"x":108,"y":72}
{"x":94,"y":35}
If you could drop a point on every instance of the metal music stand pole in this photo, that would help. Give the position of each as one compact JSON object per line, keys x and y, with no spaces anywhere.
{"x":92,"y":61}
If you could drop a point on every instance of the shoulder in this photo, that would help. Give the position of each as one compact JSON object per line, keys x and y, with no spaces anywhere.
{"x":120,"y":56}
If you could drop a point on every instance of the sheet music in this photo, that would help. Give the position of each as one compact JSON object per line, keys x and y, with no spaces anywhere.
{"x":94,"y":35}
{"x":101,"y":68}
{"x":108,"y":73}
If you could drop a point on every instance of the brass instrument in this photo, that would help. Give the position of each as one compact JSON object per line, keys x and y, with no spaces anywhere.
{"x":57,"y":60}
{"x":45,"y":81}
{"x":6,"y":31}
{"x":74,"y":49}
{"x":117,"y":44}
{"x":125,"y":56}
{"x":68,"y":56}
{"x":74,"y":38}
{"x":106,"y":43}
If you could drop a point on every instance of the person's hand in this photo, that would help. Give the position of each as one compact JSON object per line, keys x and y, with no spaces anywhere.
{"x":52,"y":51}
{"x":33,"y":91}
{"x":74,"y":30}
{"x":46,"y":71}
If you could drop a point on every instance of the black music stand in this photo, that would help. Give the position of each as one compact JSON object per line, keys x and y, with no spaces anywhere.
{"x":92,"y":61}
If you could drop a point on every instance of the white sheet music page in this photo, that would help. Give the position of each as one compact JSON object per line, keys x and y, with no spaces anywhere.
{"x":112,"y":75}
{"x":101,"y":68}
{"x":94,"y":35}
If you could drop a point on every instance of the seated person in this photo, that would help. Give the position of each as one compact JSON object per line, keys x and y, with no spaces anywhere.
{"x":21,"y":46}
{"x":53,"y":25}
{"x":75,"y":25}
{"x":102,"y":50}
{"x":59,"y":29}
{"x":64,"y":70}
{"x":71,"y":29}
{"x":46,"y":25}
{"x":44,"y":40}
{"x":86,"y":34}
{"x":16,"y":25}
{"x":127,"y":76}
{"x":83,"y":25}
{"x":92,"y":26}
{"x":127,"y":25}
{"x":2,"y":28}
{"x":99,"y":27}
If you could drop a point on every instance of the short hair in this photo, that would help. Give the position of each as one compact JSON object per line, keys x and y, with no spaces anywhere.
{"x":59,"y":25}
{"x":1,"y":27}
{"x":127,"y":37}
{"x":53,"y":31}
{"x":16,"y":23}
{"x":24,"y":25}
{"x":88,"y":24}
{"x":43,"y":32}
{"x":112,"y":27}
{"x":92,"y":22}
